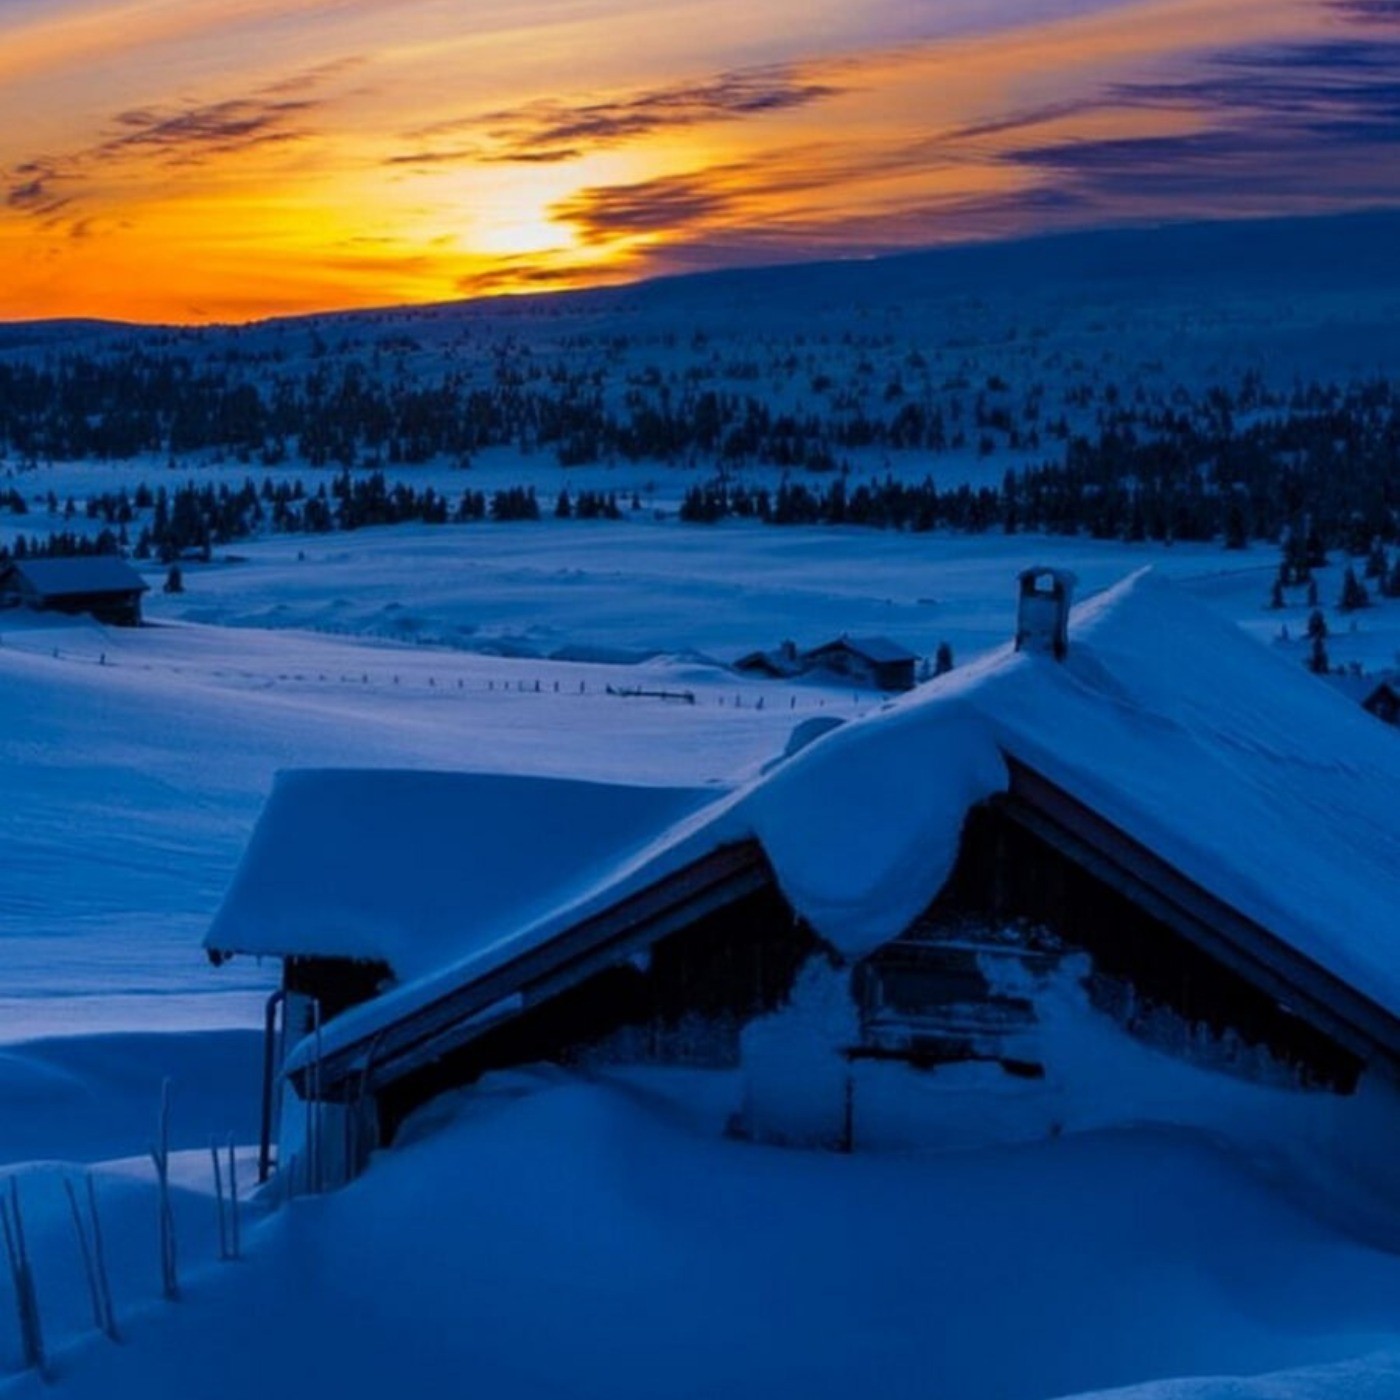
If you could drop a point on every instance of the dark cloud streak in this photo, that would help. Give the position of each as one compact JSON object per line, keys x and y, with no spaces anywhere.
{"x":191,"y":134}
{"x":602,"y":213}
{"x":1368,"y":11}
{"x":547,"y":132}
{"x":1303,"y":120}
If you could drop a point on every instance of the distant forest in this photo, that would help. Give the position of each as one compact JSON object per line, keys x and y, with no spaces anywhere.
{"x":1235,"y":463}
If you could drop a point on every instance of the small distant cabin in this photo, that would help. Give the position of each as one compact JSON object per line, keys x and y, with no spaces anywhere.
{"x":876,"y":662}
{"x":102,"y":586}
{"x":1384,"y":703}
{"x":779,"y":665}
{"x":1378,"y":696}
{"x":873,"y":661}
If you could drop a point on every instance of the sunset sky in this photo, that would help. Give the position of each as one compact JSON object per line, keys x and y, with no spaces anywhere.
{"x":195,"y":160}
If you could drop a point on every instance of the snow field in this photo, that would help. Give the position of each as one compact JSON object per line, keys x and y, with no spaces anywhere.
{"x":563,"y":1235}
{"x":551,"y":1235}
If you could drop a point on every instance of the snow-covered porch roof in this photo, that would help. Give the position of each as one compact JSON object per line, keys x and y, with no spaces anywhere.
{"x":421,"y":869}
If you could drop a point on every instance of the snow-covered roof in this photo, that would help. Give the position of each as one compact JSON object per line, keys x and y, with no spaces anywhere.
{"x":418,"y":869}
{"x":775,"y":663}
{"x":89,"y":573}
{"x":879,"y":650}
{"x":1232,"y":764}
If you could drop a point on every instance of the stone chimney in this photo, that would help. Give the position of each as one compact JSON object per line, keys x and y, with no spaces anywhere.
{"x":1042,"y":613}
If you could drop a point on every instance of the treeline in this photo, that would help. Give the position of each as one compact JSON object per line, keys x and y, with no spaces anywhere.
{"x":1236,"y":463}
{"x":1333,"y":473}
{"x":1333,"y":476}
{"x":145,"y":399}
{"x":191,"y":520}
{"x":885,"y":505}
{"x":357,"y":408}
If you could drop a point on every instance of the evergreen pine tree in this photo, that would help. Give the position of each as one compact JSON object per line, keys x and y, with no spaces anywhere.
{"x":1236,"y":530}
{"x":1354,"y":594}
{"x":1391,"y":587}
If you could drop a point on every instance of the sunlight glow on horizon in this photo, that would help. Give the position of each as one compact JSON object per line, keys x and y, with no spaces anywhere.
{"x":247,"y":158}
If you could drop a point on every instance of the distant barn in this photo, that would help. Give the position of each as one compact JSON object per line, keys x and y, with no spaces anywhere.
{"x":101,"y":585}
{"x":876,"y":662}
{"x":781,"y":665}
{"x":873,"y":661}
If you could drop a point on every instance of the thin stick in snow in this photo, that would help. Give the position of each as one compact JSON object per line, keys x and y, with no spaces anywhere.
{"x":235,"y":1243}
{"x":315,"y":1117}
{"x":99,"y":1259}
{"x":160,"y":1155}
{"x":219,"y":1198}
{"x":26,"y":1299}
{"x":85,"y":1249}
{"x":310,"y":1133}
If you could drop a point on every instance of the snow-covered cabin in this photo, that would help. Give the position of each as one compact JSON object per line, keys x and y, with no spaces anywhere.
{"x":783,"y":664}
{"x":1378,"y":695}
{"x":1383,"y":701}
{"x":102,"y":585}
{"x":873,"y":661}
{"x":1199,"y":817}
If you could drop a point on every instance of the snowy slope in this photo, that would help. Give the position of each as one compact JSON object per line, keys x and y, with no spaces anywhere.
{"x":1111,"y":1256}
